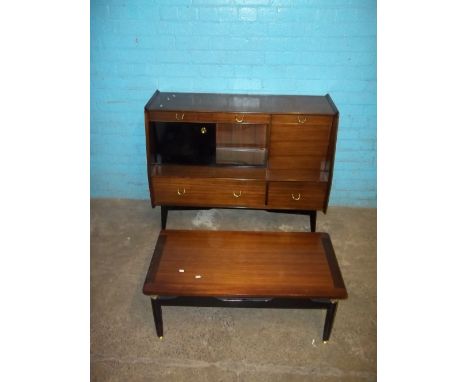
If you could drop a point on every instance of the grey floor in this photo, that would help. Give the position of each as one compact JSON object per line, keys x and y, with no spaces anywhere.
{"x":216,"y":344}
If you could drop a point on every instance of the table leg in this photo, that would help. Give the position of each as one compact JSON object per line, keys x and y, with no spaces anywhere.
{"x":313,"y":220}
{"x":164,"y":211}
{"x":157,"y":314}
{"x":331,"y":311}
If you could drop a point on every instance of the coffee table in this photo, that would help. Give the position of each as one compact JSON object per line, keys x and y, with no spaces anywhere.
{"x":287,"y":270}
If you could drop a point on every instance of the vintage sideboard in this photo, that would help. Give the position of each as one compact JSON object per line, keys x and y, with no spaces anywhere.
{"x":271,"y":152}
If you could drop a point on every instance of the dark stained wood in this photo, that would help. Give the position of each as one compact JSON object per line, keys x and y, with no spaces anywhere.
{"x":332,"y":261}
{"x":262,"y":138}
{"x":241,"y":118}
{"x":302,"y":120}
{"x":236,"y":302}
{"x":303,"y":162}
{"x":297,"y":133}
{"x":331,"y":155}
{"x":186,"y":116}
{"x":222,"y":172}
{"x":244,"y":264}
{"x":179,"y":116}
{"x":149,"y":158}
{"x":301,"y":175}
{"x":302,"y":147}
{"x":215,"y":192}
{"x":242,"y":103}
{"x":297,"y":195}
{"x":155,"y":259}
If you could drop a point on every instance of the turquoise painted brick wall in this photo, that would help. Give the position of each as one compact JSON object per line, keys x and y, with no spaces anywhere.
{"x":247,"y":46}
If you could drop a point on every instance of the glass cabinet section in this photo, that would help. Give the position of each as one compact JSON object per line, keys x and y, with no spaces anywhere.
{"x":192,"y":143}
{"x":241,"y":144}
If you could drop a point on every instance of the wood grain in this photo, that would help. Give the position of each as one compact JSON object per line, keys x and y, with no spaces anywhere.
{"x":302,"y":147}
{"x":309,"y":195}
{"x":299,"y":132}
{"x":215,"y":192}
{"x":295,"y":174}
{"x":303,"y":162}
{"x":245,"y":264}
{"x":187,"y":116}
{"x":301,"y":119}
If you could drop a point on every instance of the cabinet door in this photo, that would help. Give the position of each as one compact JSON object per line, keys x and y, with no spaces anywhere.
{"x":297,"y":195}
{"x":296,"y":146}
{"x":183,"y":142}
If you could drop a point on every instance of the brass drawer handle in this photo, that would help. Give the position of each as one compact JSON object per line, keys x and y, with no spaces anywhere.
{"x":296,"y":198}
{"x":179,"y":118}
{"x":301,"y":120}
{"x":181,"y":193}
{"x":237,"y":195}
{"x":203,"y":130}
{"x":239,"y":119}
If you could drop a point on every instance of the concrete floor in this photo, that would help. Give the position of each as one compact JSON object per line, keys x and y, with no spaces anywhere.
{"x":216,"y":344}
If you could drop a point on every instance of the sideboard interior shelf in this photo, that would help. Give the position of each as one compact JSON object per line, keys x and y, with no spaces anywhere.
{"x":271,"y":152}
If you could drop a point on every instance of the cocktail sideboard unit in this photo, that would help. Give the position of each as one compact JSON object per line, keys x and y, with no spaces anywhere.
{"x":271,"y":152}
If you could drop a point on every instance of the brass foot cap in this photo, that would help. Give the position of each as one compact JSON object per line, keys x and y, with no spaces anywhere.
{"x":325,"y":342}
{"x":161,"y":338}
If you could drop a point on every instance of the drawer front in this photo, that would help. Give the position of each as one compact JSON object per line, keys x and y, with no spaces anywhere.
{"x":209,"y":192}
{"x":172,"y":116}
{"x":241,"y":118}
{"x":297,"y":195}
{"x":302,"y":119}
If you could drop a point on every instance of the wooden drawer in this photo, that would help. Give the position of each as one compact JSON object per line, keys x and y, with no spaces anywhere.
{"x":302,"y":119}
{"x":297,"y":195}
{"x":209,"y":192}
{"x":172,"y":116}
{"x":238,"y":118}
{"x":242,"y":118}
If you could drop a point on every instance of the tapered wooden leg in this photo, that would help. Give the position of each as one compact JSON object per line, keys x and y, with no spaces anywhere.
{"x":157,"y":314}
{"x":313,"y":221}
{"x":331,"y":311}
{"x":164,"y":211}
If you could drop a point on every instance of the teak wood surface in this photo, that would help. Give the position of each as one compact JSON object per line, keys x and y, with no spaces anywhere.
{"x":244,"y":264}
{"x":218,"y":192}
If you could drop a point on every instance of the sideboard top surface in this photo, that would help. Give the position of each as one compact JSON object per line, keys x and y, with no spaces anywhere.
{"x":246,"y":103}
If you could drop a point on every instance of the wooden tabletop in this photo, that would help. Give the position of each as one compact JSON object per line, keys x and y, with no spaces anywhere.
{"x":246,"y":103}
{"x":244,"y":264}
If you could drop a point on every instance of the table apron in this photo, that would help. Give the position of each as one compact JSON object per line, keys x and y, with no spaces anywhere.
{"x":243,"y":302}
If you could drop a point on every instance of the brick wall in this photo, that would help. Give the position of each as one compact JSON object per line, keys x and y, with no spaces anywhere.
{"x":247,"y":46}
